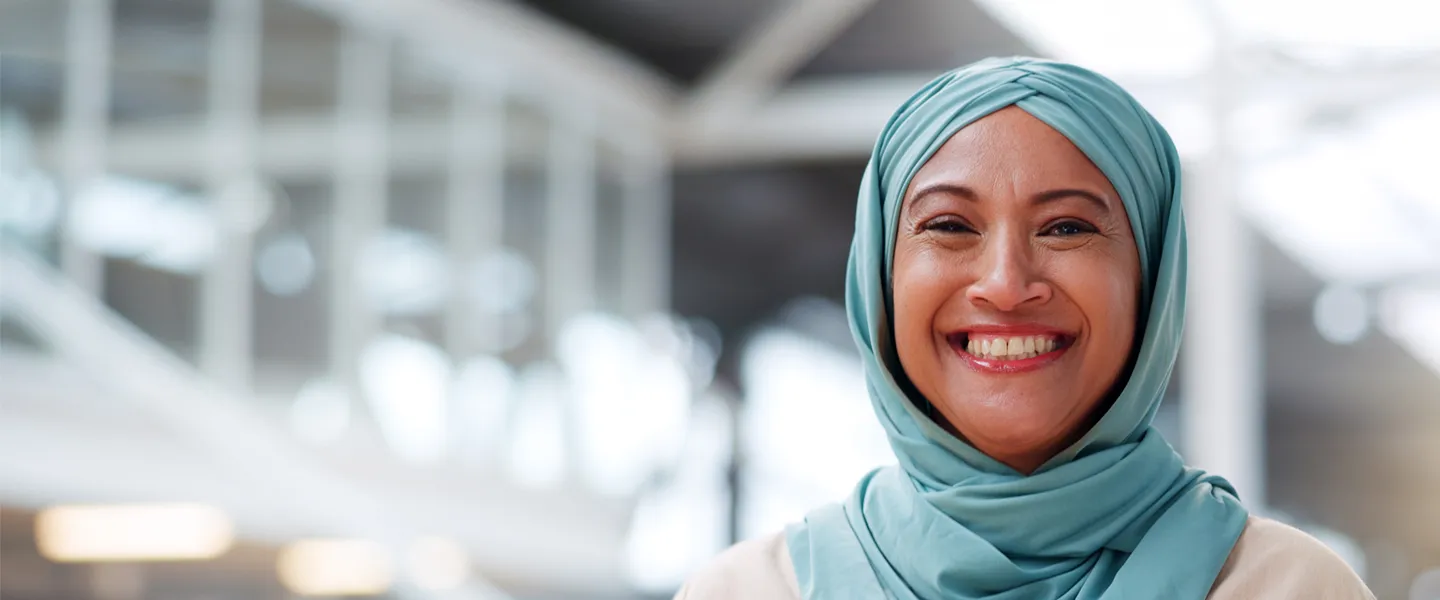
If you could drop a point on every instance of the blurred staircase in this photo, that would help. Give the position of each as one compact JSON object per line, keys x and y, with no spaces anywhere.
{"x":98,"y":412}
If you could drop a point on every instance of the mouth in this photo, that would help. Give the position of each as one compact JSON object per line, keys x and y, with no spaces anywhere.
{"x":1009,"y":351}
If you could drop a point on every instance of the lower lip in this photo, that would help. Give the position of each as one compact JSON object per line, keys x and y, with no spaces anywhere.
{"x":992,"y":365}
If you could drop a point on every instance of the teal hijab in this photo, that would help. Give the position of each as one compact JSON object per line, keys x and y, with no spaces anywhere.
{"x":1116,"y":515}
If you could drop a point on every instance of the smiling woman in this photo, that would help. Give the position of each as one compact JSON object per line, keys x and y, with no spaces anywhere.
{"x":1014,"y":243}
{"x":1016,"y":287}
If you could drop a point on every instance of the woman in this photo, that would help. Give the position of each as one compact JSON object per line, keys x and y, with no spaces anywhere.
{"x":1016,"y":287}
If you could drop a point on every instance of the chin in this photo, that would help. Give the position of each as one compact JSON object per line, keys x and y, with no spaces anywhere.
{"x":1004,"y":428}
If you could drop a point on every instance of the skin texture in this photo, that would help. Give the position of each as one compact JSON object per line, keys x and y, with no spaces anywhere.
{"x":988,"y":237}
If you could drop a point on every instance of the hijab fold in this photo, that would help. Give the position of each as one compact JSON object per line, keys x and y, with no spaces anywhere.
{"x":1117,"y":514}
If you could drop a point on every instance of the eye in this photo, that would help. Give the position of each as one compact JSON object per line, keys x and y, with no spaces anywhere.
{"x":1069,"y":228}
{"x":947,"y":224}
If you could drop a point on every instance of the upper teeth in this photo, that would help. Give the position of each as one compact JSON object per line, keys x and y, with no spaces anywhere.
{"x":1012,"y":348}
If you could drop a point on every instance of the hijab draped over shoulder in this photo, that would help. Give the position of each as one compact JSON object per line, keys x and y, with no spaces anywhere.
{"x":1117,"y":514}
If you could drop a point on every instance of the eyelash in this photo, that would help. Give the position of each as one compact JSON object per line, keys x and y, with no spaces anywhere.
{"x":947,"y":225}
{"x":951,"y":225}
{"x":1082,"y":227}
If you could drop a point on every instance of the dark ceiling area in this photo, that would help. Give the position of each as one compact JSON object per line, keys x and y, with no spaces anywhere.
{"x":914,"y":36}
{"x":680,"y":38}
{"x":747,"y":241}
{"x":685,"y":38}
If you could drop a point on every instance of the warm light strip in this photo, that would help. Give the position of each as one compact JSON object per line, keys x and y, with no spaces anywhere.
{"x":335,"y":567}
{"x":134,"y":532}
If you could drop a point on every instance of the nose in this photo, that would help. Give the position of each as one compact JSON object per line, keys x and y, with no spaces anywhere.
{"x":1008,"y":278}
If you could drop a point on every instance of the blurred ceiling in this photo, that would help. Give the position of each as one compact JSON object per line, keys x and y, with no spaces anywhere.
{"x":685,"y":39}
{"x":748,"y":239}
{"x":247,"y":570}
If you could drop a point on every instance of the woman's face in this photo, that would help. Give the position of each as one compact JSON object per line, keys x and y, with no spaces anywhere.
{"x":1016,"y":282}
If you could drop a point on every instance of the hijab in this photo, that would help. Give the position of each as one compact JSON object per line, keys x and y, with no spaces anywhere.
{"x":1115,"y":515}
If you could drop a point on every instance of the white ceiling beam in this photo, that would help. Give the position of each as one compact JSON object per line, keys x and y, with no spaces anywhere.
{"x":839,"y":118}
{"x":83,"y":114}
{"x":836,"y":118}
{"x":300,"y":147}
{"x":360,"y":491}
{"x":296,"y":146}
{"x":537,"y":54}
{"x":54,"y":447}
{"x":769,"y":54}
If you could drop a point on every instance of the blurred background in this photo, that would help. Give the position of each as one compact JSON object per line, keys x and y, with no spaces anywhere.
{"x":542,"y":300}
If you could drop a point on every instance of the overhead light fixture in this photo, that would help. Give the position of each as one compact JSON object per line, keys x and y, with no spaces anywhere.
{"x":1391,"y":25}
{"x":32,"y":202}
{"x":679,"y":525}
{"x":321,"y":411}
{"x":1115,"y":37}
{"x":790,"y":377}
{"x":1394,"y":145}
{"x":631,"y":397}
{"x":1342,"y":314}
{"x":146,"y":221}
{"x":404,"y":272}
{"x":1314,"y":218}
{"x":1412,"y":317}
{"x":335,"y":567}
{"x":1378,"y":162}
{"x":538,"y":448}
{"x":481,"y":397}
{"x":285,"y":265}
{"x":1426,"y":585}
{"x":32,"y":199}
{"x":135,"y":532}
{"x":407,"y":383}
{"x":501,"y":282}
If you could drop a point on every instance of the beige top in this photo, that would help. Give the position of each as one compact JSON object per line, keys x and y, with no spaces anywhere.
{"x":1270,"y":560}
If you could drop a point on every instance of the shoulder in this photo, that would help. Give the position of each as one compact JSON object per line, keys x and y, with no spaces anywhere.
{"x":757,"y":569}
{"x":1274,"y":560}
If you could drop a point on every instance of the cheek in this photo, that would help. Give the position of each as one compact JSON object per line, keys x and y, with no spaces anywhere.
{"x":1109,"y":299}
{"x":922,"y":283}
{"x":1121,"y":317}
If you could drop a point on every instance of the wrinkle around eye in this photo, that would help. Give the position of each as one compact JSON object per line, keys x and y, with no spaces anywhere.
{"x":944,"y":223}
{"x":948,"y":227}
{"x":1081,"y":226}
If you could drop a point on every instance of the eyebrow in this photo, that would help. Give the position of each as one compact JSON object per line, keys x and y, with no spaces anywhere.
{"x":1054,"y":195}
{"x":1046,"y":197}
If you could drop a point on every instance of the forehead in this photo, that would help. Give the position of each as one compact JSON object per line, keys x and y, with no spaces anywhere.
{"x":1012,"y":148}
